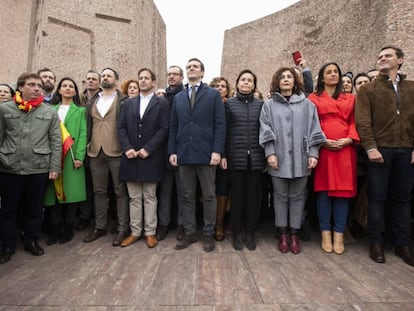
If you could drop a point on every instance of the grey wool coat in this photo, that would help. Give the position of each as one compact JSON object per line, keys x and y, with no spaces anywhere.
{"x":291,"y":131}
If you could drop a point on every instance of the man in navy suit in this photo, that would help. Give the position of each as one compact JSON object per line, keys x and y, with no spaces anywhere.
{"x":143,"y":134}
{"x":196,"y":142}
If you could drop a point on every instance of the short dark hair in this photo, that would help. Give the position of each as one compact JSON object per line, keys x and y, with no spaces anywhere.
{"x":21,"y":81}
{"x":153,"y":77}
{"x":179,"y":69}
{"x":249,"y":72}
{"x":198,"y":61}
{"x":94,"y":72}
{"x":46,"y":69}
{"x":116,"y":75}
{"x":10,"y":88}
{"x":398,"y":52}
{"x":361,"y":74}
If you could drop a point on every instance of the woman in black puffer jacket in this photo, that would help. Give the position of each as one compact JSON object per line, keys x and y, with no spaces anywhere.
{"x":244,"y":158}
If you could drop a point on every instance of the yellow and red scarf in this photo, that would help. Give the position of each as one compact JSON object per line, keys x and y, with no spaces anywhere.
{"x":27,"y":105}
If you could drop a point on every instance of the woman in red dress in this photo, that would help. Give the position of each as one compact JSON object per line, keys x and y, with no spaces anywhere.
{"x":335,"y":175}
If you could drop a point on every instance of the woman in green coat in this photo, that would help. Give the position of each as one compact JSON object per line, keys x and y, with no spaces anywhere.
{"x":63,"y":208}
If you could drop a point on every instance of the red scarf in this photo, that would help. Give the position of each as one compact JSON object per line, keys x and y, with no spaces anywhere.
{"x":27,"y":105}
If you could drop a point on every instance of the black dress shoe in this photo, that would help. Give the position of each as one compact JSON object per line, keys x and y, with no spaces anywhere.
{"x":119,"y":238}
{"x":376,"y":253}
{"x":82,"y":224}
{"x":162,"y":232}
{"x":94,"y":235}
{"x":6,"y":255}
{"x":406,"y":254}
{"x":180,"y":233}
{"x":34,"y":249}
{"x":208,"y":243}
{"x":186,"y":242}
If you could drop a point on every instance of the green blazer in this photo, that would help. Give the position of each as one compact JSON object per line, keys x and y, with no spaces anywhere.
{"x":74,"y":183}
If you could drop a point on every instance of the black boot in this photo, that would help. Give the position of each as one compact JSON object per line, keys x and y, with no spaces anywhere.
{"x":250,"y":241}
{"x":53,"y":234}
{"x":67,"y":234}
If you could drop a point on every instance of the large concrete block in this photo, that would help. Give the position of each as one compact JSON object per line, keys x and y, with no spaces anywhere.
{"x":349,"y":32}
{"x":71,"y":37}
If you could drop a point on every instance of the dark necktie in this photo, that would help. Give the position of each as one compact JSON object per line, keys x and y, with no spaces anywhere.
{"x":193,"y":97}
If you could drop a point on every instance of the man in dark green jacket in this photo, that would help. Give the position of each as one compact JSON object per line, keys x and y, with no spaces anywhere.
{"x":30,"y":154}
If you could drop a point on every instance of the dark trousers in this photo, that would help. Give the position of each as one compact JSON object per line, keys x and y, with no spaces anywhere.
{"x":101,"y":166}
{"x":166,"y":196}
{"x":206,"y":175}
{"x":86,"y":211}
{"x":12,"y":189}
{"x":245,"y":199}
{"x":393,"y":178}
{"x":63,"y":214}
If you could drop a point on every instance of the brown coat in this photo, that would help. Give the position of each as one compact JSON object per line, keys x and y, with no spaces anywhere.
{"x":383,"y":117}
{"x":102,"y":132}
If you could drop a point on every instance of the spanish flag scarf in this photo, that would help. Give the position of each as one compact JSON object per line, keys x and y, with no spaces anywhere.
{"x":26,"y":105}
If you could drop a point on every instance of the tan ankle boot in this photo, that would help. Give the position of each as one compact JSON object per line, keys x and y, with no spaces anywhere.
{"x":221,"y":210}
{"x":326,"y":243}
{"x":338,"y":244}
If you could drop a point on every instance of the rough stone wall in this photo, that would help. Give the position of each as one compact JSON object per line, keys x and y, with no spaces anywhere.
{"x":349,"y":32}
{"x":71,"y":37}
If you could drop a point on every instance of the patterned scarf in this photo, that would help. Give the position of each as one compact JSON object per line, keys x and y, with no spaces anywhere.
{"x":26,"y":105}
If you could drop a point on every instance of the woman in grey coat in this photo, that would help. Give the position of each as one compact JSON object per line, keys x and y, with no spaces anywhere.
{"x":291,"y":135}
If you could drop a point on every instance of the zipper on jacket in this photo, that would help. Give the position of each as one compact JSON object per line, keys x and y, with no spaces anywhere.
{"x":397,"y":93}
{"x":398,"y":117}
{"x":248,"y":127}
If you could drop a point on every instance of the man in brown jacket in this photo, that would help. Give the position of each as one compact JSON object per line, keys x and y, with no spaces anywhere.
{"x":384,"y":115}
{"x":104,"y":151}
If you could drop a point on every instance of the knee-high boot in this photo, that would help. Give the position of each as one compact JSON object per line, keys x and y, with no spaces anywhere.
{"x":221,"y":210}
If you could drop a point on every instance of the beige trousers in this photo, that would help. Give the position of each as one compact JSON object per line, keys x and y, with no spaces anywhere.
{"x":142,"y":200}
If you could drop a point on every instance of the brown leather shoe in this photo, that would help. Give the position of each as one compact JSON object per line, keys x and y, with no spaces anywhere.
{"x":376,"y":253}
{"x":94,"y":235}
{"x":130,"y":240}
{"x":406,"y":254}
{"x":151,"y":241}
{"x":119,"y":238}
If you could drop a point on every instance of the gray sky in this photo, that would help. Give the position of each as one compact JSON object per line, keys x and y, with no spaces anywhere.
{"x":199,"y":31}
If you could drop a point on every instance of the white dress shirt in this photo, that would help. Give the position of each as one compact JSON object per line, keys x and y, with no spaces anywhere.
{"x":144,"y":101}
{"x":104,"y":103}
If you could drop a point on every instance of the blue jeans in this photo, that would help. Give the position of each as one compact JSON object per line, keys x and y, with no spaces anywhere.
{"x":391,"y":182}
{"x":326,"y":205}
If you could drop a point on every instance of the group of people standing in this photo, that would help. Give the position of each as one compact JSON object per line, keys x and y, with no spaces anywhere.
{"x":142,"y":144}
